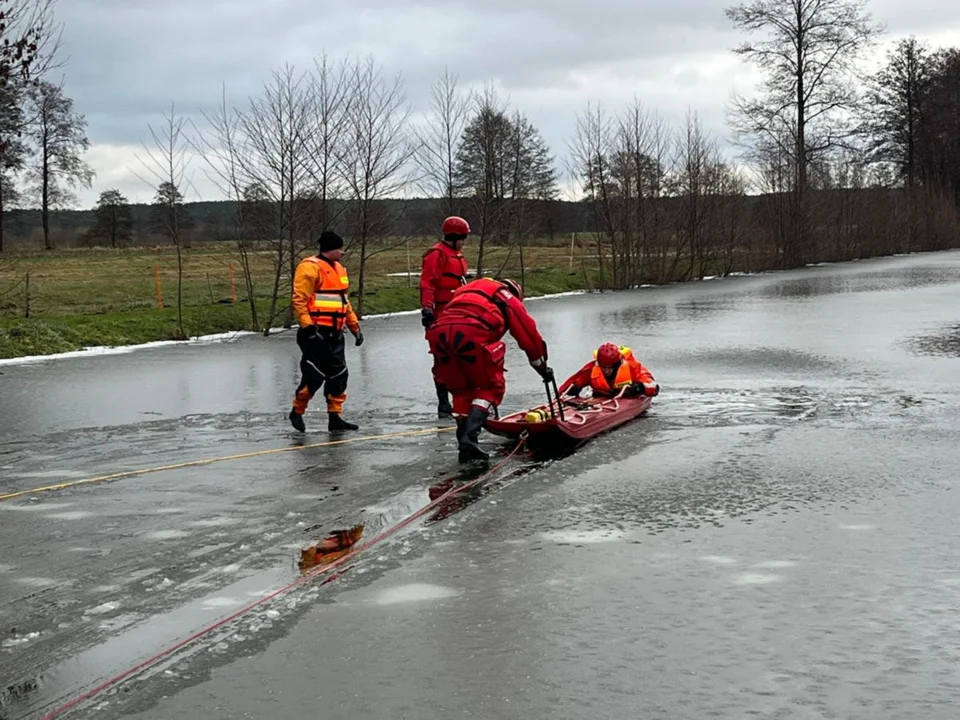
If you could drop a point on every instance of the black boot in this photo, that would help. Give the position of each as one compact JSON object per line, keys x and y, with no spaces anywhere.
{"x":444,"y":408}
{"x":296,"y":419}
{"x":461,"y":427}
{"x":338,"y":423}
{"x":469,"y":447}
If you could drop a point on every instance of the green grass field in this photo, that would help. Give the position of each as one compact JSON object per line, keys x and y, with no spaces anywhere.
{"x":89,"y":297}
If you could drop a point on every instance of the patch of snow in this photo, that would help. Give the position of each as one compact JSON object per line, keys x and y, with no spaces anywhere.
{"x":757,"y":579}
{"x":70,"y":515}
{"x":166,"y":535}
{"x":584,"y":537}
{"x":104,"y":608}
{"x":200,"y":340}
{"x":414,"y":592}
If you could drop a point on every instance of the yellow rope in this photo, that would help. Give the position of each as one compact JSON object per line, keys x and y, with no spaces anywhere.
{"x":207,"y":461}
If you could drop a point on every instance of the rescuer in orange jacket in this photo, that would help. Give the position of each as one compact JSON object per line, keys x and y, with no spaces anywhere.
{"x":466,"y":342}
{"x":444,"y":269}
{"x":613,"y":370}
{"x":320,"y":302}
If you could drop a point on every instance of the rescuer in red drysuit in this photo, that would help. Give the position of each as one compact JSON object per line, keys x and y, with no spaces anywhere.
{"x":466,"y":342}
{"x":614,"y":369}
{"x":444,"y":269}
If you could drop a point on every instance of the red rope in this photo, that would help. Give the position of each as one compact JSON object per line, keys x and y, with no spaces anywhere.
{"x":299,"y":581}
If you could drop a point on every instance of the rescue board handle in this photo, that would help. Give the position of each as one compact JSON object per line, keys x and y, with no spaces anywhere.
{"x":556,"y":394}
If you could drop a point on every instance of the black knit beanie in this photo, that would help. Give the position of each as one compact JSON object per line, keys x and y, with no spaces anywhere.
{"x":329,"y":240}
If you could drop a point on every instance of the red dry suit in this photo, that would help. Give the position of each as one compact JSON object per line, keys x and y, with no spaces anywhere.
{"x":467,"y":346}
{"x":444,"y":270}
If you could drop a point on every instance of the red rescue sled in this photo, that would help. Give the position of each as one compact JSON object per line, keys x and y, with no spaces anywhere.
{"x":575,"y":420}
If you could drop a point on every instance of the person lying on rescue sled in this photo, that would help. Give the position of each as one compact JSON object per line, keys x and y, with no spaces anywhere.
{"x":466,"y":342}
{"x":614,"y":369}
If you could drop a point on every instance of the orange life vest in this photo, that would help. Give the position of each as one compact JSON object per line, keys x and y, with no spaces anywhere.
{"x":329,"y":304}
{"x":622,"y":379}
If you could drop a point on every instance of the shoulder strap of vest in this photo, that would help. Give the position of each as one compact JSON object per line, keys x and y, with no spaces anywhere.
{"x":337,"y":270}
{"x":501,"y":305}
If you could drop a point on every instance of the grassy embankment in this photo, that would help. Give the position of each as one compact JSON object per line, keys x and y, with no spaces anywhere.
{"x":90,"y":297}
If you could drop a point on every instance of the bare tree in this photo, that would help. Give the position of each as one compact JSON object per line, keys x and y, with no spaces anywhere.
{"x":13,"y":151}
{"x":332,"y":99}
{"x":281,"y":159}
{"x":622,"y":163}
{"x":59,"y":134}
{"x":695,"y":163}
{"x":481,"y":166}
{"x":219,"y":147}
{"x":530,"y":182}
{"x":29,"y":40}
{"x":276,"y":132}
{"x":808,"y":58}
{"x":439,"y":138}
{"x":377,"y":153}
{"x":166,"y":163}
{"x":590,"y":156}
{"x":642,"y":145}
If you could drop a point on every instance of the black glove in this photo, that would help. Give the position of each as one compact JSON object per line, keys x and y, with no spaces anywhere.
{"x":359,"y":336}
{"x":634,"y":390}
{"x":426,"y":317}
{"x":573,"y":391}
{"x":546,"y":373}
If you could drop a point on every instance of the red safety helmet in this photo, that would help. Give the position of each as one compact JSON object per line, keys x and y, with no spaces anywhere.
{"x":513,"y":288}
{"x":608,"y":355}
{"x":455,"y":225}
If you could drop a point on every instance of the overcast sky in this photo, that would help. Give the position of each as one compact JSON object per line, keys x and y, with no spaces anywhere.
{"x":129,"y":59}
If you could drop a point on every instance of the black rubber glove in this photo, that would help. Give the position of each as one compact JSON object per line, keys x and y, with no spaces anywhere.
{"x":634,"y":390}
{"x":359,"y":336}
{"x":547,"y":373}
{"x":573,"y":391}
{"x":426,"y":317}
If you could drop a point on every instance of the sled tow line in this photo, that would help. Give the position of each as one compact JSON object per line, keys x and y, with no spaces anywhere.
{"x":208,"y":461}
{"x":307,"y":577}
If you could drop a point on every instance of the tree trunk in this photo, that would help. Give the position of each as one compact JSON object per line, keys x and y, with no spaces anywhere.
{"x":2,"y":211}
{"x":361,"y":276}
{"x":176,"y":238}
{"x":480,"y":245}
{"x":45,"y":197}
{"x":798,"y":238}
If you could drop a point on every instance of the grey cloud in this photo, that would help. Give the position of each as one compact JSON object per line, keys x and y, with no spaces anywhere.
{"x":129,"y":59}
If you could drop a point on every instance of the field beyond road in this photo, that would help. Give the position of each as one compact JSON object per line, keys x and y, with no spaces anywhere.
{"x":63,"y":300}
